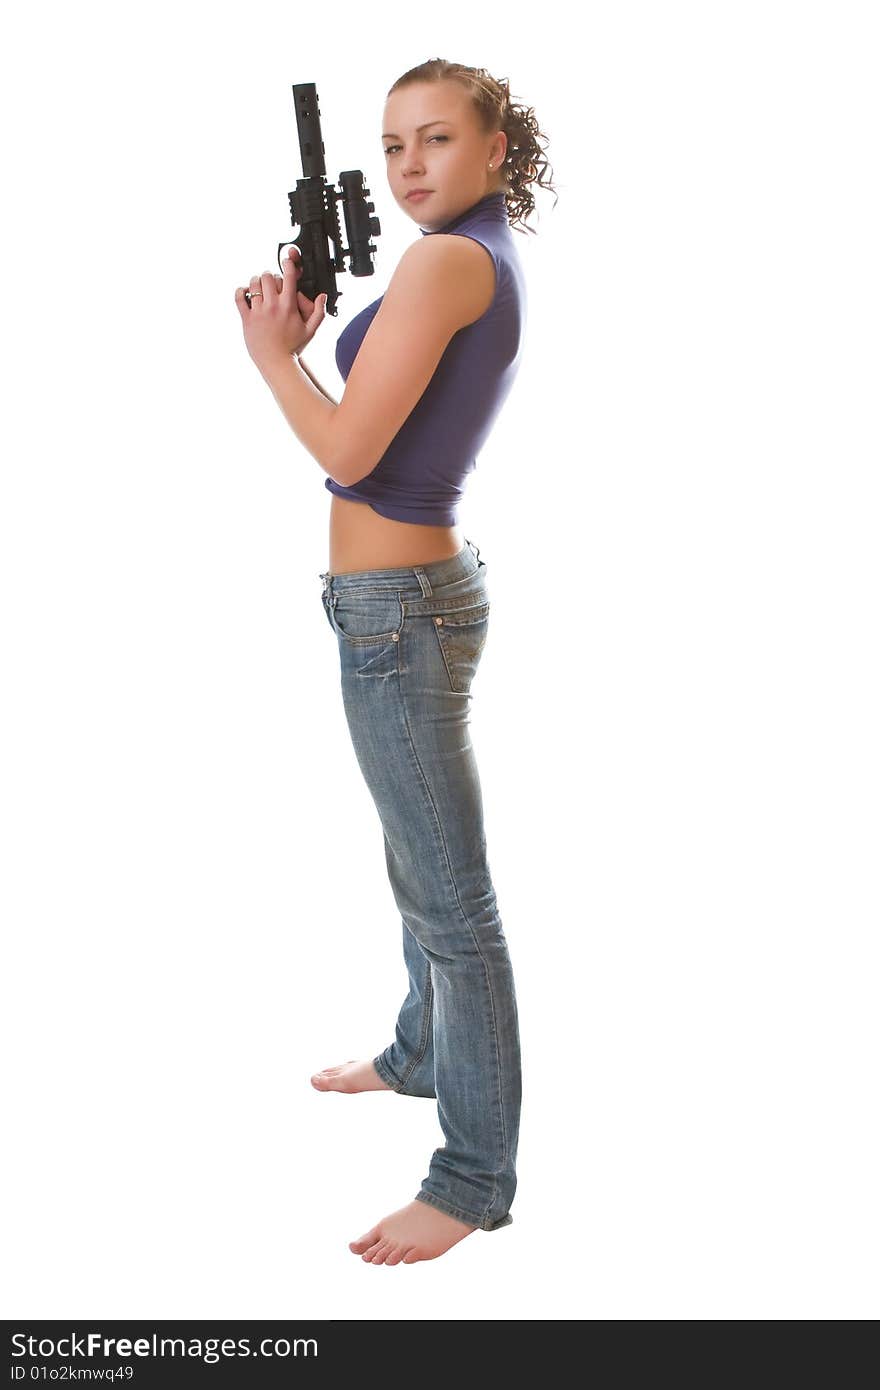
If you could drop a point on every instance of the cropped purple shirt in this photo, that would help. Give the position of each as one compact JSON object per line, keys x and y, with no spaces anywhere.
{"x":421,"y":475}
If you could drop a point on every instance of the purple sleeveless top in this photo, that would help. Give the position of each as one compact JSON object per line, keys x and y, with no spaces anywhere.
{"x":420,"y":477}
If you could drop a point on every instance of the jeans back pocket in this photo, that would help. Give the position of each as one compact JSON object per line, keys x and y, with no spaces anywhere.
{"x":462,"y":634}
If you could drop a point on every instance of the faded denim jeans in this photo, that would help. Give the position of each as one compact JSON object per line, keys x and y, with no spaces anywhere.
{"x":410,"y":640}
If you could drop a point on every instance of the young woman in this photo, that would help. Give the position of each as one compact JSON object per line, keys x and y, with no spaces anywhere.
{"x":427,"y":368}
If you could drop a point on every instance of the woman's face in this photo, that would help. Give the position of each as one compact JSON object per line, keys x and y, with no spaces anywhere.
{"x":450,"y":156}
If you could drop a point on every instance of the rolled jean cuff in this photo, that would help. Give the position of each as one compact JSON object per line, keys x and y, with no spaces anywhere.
{"x":385,"y":1075}
{"x":485,"y":1223}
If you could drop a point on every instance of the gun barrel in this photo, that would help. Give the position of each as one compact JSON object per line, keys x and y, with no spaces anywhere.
{"x":308,"y":125}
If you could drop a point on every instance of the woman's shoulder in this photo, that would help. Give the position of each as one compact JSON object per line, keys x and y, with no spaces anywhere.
{"x":445,"y":269}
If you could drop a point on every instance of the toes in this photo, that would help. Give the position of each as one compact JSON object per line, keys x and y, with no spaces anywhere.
{"x":396,"y":1256}
{"x":360,"y":1245}
{"x":382,"y":1253}
{"x":371,"y":1250}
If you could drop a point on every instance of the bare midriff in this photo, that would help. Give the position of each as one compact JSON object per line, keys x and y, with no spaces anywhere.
{"x":362,"y":539}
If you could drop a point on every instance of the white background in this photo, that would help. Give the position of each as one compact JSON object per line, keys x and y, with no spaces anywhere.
{"x":675,"y":717}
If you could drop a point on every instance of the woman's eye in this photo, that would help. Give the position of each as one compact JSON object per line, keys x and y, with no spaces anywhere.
{"x":392,"y":148}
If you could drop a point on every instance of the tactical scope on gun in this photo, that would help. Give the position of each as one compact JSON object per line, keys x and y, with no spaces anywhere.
{"x":313,"y":209}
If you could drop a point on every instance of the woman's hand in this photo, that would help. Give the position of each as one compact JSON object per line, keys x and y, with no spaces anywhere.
{"x":280,"y":320}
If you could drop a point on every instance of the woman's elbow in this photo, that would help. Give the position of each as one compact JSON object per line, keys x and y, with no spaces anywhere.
{"x":351,"y":463}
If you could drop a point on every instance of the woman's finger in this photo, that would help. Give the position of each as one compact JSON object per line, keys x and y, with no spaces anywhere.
{"x":292,"y":273}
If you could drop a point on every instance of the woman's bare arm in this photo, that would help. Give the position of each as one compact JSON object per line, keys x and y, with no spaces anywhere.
{"x":313,"y":379}
{"x":441,"y":284}
{"x":279,"y":282}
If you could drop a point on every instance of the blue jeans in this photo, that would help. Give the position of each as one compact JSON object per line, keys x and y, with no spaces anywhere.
{"x":410,"y":640}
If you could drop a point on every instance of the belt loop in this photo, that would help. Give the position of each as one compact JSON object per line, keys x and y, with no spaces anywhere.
{"x":424,"y":581}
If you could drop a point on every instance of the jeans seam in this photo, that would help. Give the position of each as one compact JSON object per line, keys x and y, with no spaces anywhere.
{"x":504,"y":1141}
{"x":426,"y":1021}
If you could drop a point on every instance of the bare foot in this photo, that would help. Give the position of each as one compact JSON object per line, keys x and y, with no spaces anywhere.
{"x":417,"y":1231}
{"x":349,"y":1077}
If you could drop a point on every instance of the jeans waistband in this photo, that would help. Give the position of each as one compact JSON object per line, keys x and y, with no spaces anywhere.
{"x":417,"y":579}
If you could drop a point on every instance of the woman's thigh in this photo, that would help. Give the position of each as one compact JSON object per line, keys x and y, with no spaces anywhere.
{"x":408,"y":663}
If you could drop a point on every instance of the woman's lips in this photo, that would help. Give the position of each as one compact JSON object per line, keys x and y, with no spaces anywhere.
{"x":417,"y":197}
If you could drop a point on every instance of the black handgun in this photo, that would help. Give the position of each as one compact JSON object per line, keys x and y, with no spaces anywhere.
{"x":313,"y":209}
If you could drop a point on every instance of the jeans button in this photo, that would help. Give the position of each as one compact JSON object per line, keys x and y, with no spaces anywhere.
{"x":438,"y":621}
